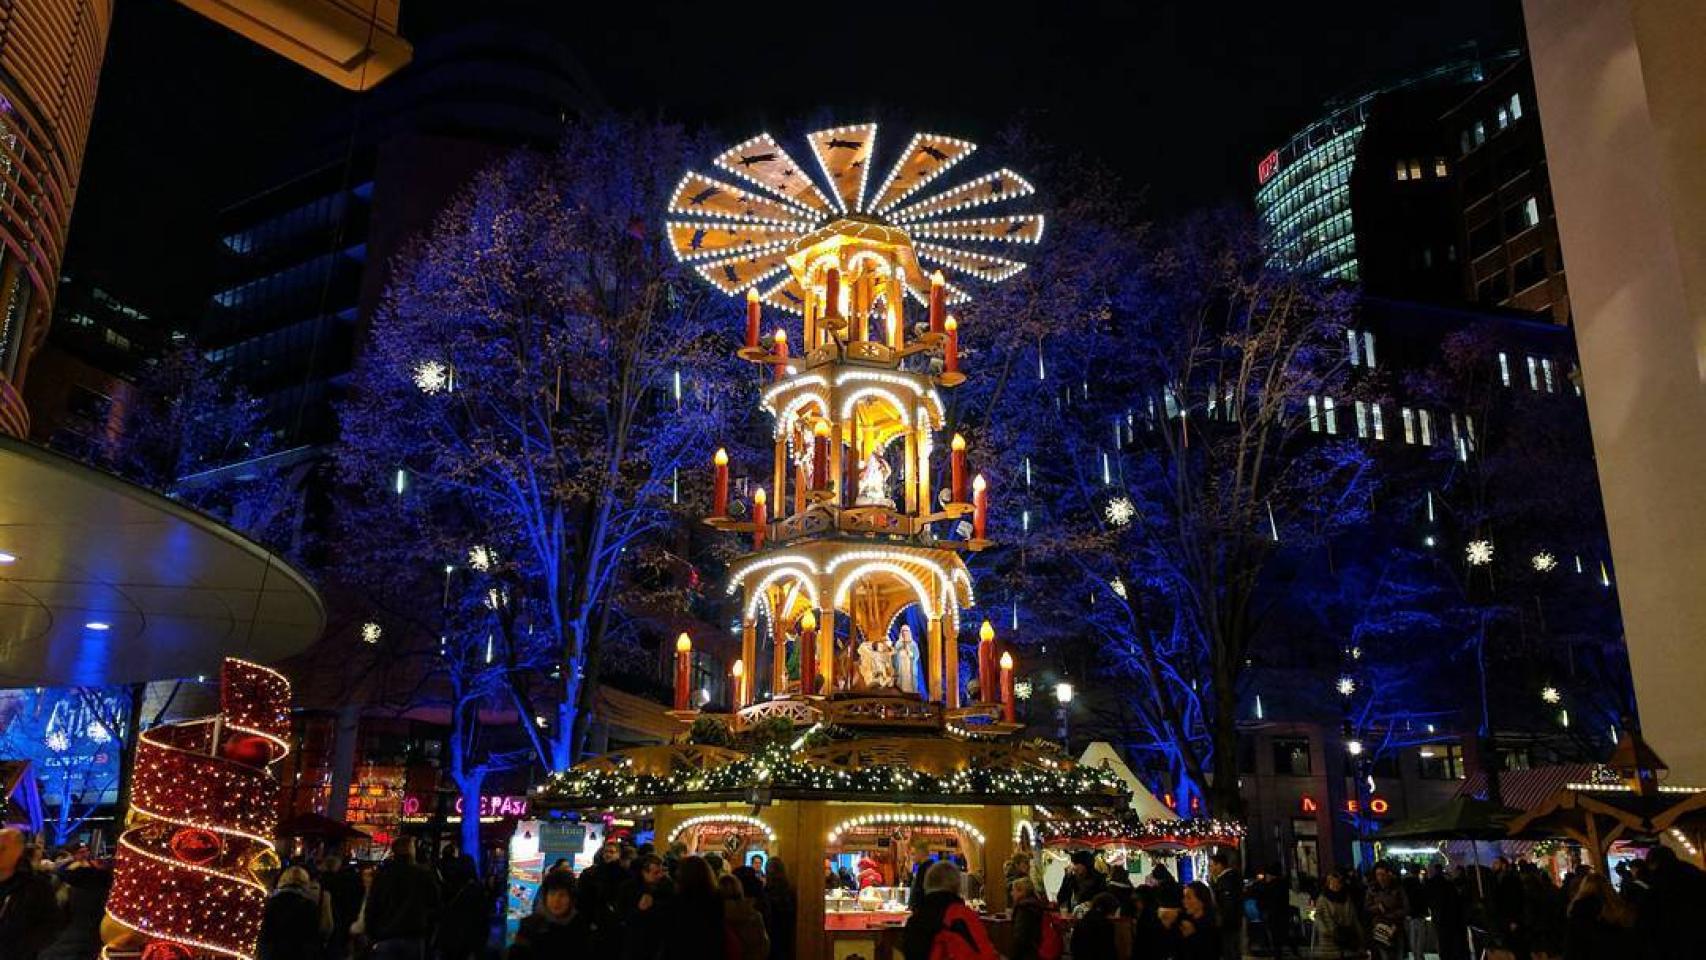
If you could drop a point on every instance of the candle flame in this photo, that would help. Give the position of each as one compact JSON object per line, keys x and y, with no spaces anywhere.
{"x":986,"y":632}
{"x":977,"y":483}
{"x":722,"y":457}
{"x":1006,"y":661}
{"x":958,"y":443}
{"x":683,"y":643}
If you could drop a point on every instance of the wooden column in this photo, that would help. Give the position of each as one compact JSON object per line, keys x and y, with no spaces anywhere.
{"x":800,"y":484}
{"x":924,"y":492}
{"x":804,"y":858}
{"x":778,"y":656}
{"x":996,"y":822}
{"x":951,"y":665}
{"x":748,"y":659}
{"x":933,"y":655}
{"x":779,"y":480}
{"x":910,"y":471}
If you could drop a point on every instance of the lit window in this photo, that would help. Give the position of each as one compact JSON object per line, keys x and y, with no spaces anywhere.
{"x":1504,"y":368}
{"x":1533,"y":375}
{"x":1379,"y":427}
{"x":1463,"y":143}
{"x":1403,"y":171}
{"x":1332,"y":415}
{"x":1368,"y":348}
{"x":1314,"y":414}
{"x":1362,"y":419}
{"x":1479,"y":132}
{"x":1427,"y":427}
{"x":1440,"y":169}
{"x":1409,"y":417}
{"x":1415,"y":169}
{"x":1546,"y":371}
{"x":1356,"y":355}
{"x":1504,"y":118}
{"x":1516,"y":106}
{"x":1531,"y":212}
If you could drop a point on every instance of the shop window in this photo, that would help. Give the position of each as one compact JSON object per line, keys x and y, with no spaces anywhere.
{"x":1440,"y":169}
{"x":1440,"y":762}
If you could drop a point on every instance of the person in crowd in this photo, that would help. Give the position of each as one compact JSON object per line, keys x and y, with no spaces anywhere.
{"x":597,"y":895}
{"x":1272,"y":894}
{"x":1337,"y":923}
{"x":1506,"y":908}
{"x":752,"y":888}
{"x":715,"y":861}
{"x":694,"y":929}
{"x":744,"y":923}
{"x":343,"y":890}
{"x":29,"y":916}
{"x":1599,"y":923}
{"x":645,"y":908}
{"x":1030,"y":917}
{"x":1081,"y":883}
{"x":1093,"y":935}
{"x":1542,"y":911}
{"x":915,"y":878}
{"x":943,"y":927}
{"x":1450,"y":916}
{"x":1018,"y":867}
{"x":1670,"y":907}
{"x":1193,"y":931}
{"x":1387,"y":911}
{"x":465,"y":924}
{"x":1416,"y":925}
{"x":1119,"y":884}
{"x":783,"y":905}
{"x":1168,"y":892}
{"x":556,"y":931}
{"x":296,"y":921}
{"x":1227,"y":883}
{"x":402,"y":904}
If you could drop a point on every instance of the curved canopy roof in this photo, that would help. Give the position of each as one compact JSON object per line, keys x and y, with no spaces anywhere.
{"x":104,"y":582}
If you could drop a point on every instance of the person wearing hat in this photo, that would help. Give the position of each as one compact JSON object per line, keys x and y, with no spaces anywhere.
{"x":1082,"y":882}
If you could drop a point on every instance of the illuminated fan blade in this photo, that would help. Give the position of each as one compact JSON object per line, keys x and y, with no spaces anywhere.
{"x":703,"y":240}
{"x":736,"y":273}
{"x":844,"y":155}
{"x":994,"y":187}
{"x":786,"y":295}
{"x":980,"y":265}
{"x":1019,"y":228}
{"x":763,"y":162}
{"x":927,"y":157}
{"x":700,"y":196}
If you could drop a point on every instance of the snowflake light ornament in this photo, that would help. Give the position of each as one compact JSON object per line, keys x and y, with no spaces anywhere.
{"x":1120,"y":511}
{"x":1479,"y":552}
{"x":1550,"y":694}
{"x":1346,"y":686}
{"x":432,"y":376}
{"x":58,"y":742}
{"x":97,"y":732}
{"x":1022,"y":690}
{"x":1544,"y":562}
{"x":371,"y":632}
{"x":481,"y":558}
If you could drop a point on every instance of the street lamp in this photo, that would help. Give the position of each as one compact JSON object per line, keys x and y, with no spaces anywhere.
{"x":1063,"y":708}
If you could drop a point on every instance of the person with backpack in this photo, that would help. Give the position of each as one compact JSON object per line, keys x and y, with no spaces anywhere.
{"x":1036,"y":928}
{"x":943,"y":927}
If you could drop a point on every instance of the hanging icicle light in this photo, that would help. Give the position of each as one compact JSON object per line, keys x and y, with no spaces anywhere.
{"x":1107,"y":470}
{"x":1027,"y":473}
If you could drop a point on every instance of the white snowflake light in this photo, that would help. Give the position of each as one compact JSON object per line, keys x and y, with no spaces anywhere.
{"x":1120,"y":511}
{"x":58,"y":742}
{"x":1022,"y":689}
{"x":1479,"y":552}
{"x":371,"y":632}
{"x":432,"y":376}
{"x":97,"y":732}
{"x":481,"y":558}
{"x":1551,"y":694}
{"x":1544,"y":562}
{"x":1346,"y":686}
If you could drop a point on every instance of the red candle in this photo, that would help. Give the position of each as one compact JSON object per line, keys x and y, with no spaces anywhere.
{"x":1007,"y":706}
{"x":951,"y":352}
{"x":720,"y":484}
{"x":820,"y":455}
{"x":986,"y":663}
{"x":808,"y":653}
{"x":979,"y":508}
{"x":759,"y":519}
{"x":832,"y":292}
{"x":957,"y":469}
{"x":752,"y":318}
{"x":780,"y":365}
{"x":937,"y":297}
{"x":683,"y":670}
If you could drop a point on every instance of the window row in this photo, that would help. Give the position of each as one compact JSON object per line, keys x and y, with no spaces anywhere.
{"x":1541,"y":373}
{"x":1509,"y":112}
{"x":1411,"y":169}
{"x":1418,"y":424}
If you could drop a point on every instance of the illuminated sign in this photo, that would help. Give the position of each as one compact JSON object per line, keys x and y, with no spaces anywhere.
{"x":499,"y":805}
{"x":1267,"y":168}
{"x":1307,"y":804}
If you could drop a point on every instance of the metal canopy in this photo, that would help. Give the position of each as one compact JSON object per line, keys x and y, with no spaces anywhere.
{"x":110,"y":583}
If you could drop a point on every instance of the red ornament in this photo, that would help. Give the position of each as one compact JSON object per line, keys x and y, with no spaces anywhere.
{"x":165,"y":950}
{"x":197,"y":846}
{"x":250,"y":750}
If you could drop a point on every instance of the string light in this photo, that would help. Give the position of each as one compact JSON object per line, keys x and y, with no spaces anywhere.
{"x":721,"y":818}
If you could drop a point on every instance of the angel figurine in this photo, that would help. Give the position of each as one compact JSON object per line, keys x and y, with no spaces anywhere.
{"x":873,"y":483}
{"x":906,"y":660}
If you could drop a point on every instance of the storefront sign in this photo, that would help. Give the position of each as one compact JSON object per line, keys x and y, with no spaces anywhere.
{"x":500,"y":805}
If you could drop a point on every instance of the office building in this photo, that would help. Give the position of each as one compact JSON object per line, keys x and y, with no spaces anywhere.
{"x":50,"y":67}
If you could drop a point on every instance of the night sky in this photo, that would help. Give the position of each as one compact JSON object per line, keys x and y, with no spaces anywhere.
{"x":1180,"y":97}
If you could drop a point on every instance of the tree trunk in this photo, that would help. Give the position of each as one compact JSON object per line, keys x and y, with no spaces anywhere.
{"x":469,"y":780}
{"x":1226,"y":800}
{"x":127,"y":757}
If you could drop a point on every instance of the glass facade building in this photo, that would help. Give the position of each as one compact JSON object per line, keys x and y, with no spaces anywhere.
{"x":1303,"y":196}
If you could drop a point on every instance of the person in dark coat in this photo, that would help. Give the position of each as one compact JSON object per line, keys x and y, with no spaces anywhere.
{"x":29,"y":916}
{"x":1093,"y":935}
{"x":1273,"y":902}
{"x":291,"y":927}
{"x":1227,"y":883}
{"x":1599,"y":923}
{"x":465,"y":924}
{"x":1387,"y":910}
{"x":1081,"y":883}
{"x":784,"y":907}
{"x":694,"y":923}
{"x":402,"y":905}
{"x":1029,"y":916}
{"x":556,"y":931}
{"x":342,"y":886}
{"x":1451,"y":920}
{"x":597,"y":896}
{"x":1671,"y":906}
{"x":645,"y":905}
{"x":742,"y":922}
{"x":1194,"y":930}
{"x":1168,"y":892}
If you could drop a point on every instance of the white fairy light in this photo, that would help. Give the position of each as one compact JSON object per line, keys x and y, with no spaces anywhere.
{"x":1120,"y":511}
{"x":1544,"y":562}
{"x":1346,"y":686}
{"x":371,"y":632}
{"x":432,"y":376}
{"x":482,"y":557}
{"x":1551,"y":694}
{"x":1479,"y":552}
{"x":1354,"y":748}
{"x":1118,"y":587}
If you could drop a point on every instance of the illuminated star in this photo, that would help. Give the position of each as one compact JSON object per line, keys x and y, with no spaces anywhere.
{"x":1479,"y":552}
{"x":371,"y":632}
{"x":1346,"y":686}
{"x":1550,"y":694}
{"x":481,"y":558}
{"x":431,"y":376}
{"x":1022,"y":690}
{"x":1544,"y":562}
{"x":1120,"y":511}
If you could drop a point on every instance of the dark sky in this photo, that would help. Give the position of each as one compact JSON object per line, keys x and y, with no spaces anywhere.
{"x":1181,"y":97}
